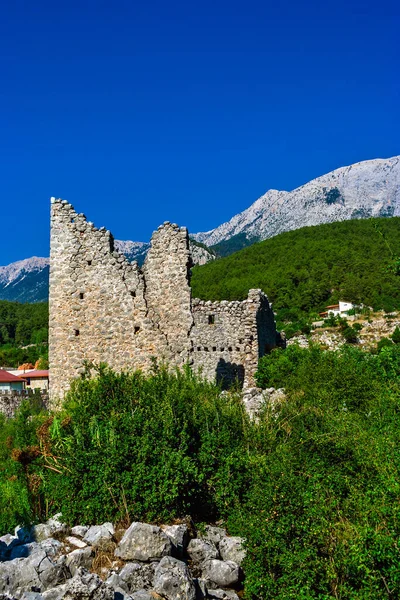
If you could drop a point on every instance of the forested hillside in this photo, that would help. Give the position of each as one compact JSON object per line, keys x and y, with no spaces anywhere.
{"x":304,"y":270}
{"x":22,"y":325}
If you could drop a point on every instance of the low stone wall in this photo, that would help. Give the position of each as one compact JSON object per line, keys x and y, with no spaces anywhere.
{"x":10,"y":401}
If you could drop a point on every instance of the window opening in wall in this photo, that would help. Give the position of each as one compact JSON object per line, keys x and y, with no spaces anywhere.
{"x":76,"y":332}
{"x":237,"y":349}
{"x":81,"y":296}
{"x":211,"y":319}
{"x":214,"y":348}
{"x":89,"y":262}
{"x":222,"y":349}
{"x":198,"y":348}
{"x":205,"y":349}
{"x":240,"y":341}
{"x":137,"y":328}
{"x":133,"y":294}
{"x":230,"y":349}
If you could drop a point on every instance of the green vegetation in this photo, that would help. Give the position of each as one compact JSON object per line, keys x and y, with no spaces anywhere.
{"x":235,"y":243}
{"x":302,"y":271}
{"x":23,"y":325}
{"x":313,"y":486}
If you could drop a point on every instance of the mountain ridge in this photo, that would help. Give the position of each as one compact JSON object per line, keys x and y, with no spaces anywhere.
{"x":365,"y":189}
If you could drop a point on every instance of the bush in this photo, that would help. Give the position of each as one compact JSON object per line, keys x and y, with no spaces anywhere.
{"x":396,"y":335}
{"x":313,"y":486}
{"x":153,"y":448}
{"x":321,"y":516}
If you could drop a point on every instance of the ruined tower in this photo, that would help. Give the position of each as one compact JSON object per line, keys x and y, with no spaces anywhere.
{"x":105,"y":309}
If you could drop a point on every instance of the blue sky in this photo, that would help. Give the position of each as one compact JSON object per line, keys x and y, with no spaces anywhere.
{"x":140,"y":112}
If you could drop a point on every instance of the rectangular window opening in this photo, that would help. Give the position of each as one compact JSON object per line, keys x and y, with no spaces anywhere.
{"x":81,"y":296}
{"x":211,"y":319}
{"x":76,"y":332}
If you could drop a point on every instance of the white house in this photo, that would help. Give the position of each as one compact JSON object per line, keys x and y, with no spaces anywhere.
{"x":335,"y":310}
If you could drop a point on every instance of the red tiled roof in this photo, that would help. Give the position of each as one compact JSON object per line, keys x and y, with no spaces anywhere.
{"x":333,"y":306}
{"x":6,"y":377}
{"x":34,"y":374}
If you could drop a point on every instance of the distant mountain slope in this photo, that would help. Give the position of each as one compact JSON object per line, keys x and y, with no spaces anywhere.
{"x":366,"y":189}
{"x":25,"y":280}
{"x":304,"y":270}
{"x":28,"y":280}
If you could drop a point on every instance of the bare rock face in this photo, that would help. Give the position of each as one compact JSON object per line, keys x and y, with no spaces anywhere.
{"x":144,"y":542}
{"x":173,"y":580}
{"x":366,"y":189}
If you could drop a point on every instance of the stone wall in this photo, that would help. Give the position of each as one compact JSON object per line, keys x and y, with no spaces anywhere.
{"x":228,"y":338}
{"x":105,"y":309}
{"x":10,"y":401}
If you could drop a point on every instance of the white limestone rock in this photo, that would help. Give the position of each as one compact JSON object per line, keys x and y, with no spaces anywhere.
{"x":173,"y":580}
{"x":144,"y":542}
{"x":219,"y":573}
{"x":231,"y":548}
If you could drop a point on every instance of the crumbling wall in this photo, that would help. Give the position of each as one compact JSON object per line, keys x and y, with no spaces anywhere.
{"x":97,"y":303}
{"x":105,"y":309}
{"x":228,"y":337}
{"x":168,"y":293}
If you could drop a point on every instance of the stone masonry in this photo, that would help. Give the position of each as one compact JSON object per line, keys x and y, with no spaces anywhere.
{"x":105,"y":309}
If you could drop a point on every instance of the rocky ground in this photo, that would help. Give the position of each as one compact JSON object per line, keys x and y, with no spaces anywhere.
{"x":379,"y":325}
{"x":52,"y":562}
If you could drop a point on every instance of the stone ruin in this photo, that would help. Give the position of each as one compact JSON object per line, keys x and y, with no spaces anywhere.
{"x":105,"y":309}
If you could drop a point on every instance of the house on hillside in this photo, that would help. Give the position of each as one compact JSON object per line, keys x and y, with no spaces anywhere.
{"x":335,"y":310}
{"x":10,"y":382}
{"x":36,"y":379}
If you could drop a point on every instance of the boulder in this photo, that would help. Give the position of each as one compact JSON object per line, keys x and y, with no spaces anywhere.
{"x":212,"y":534}
{"x":53,"y":526}
{"x":24,"y":550}
{"x":142,"y":595}
{"x":82,"y":557}
{"x":144,"y":542}
{"x":87,"y":586}
{"x":55,"y":593}
{"x":135,"y":576}
{"x":173,"y":581}
{"x":7,"y":543}
{"x":179,"y":536}
{"x":223,"y":595}
{"x":231,"y":548}
{"x":24,"y":534}
{"x":220,"y":573}
{"x":201,"y":550}
{"x":74,"y":541}
{"x":52,"y":547}
{"x":97,"y":534}
{"x":79,"y":530}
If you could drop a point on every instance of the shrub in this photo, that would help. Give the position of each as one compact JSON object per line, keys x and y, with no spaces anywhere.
{"x":396,"y":335}
{"x":150,"y":448}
